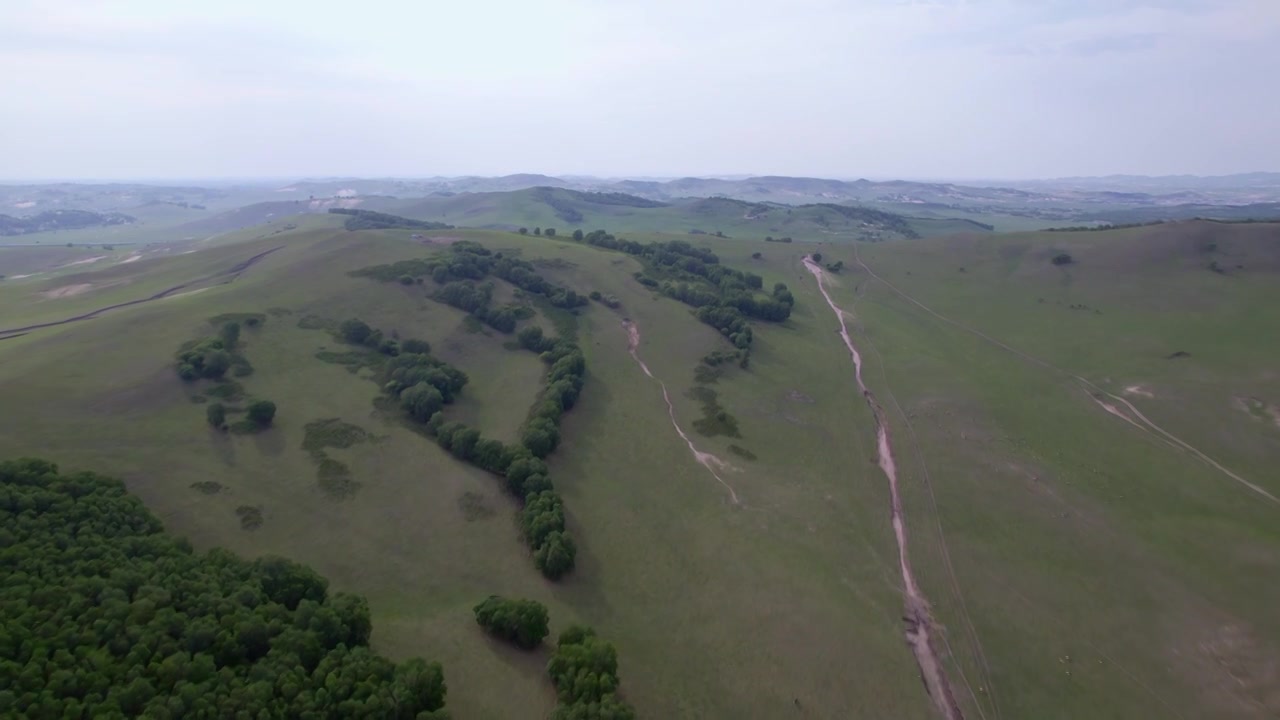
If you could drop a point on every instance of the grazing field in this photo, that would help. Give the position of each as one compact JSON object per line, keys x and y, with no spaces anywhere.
{"x":1078,"y":563}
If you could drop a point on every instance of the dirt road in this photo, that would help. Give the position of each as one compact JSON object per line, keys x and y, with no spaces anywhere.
{"x":920,"y":623}
{"x":1129,"y":412}
{"x":230,"y":274}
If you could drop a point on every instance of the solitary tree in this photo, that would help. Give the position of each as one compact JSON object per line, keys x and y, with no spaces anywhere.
{"x":537,"y":231}
{"x":216,"y":414}
{"x":549,"y":232}
{"x":817,"y":257}
{"x":262,"y":413}
{"x":354,"y":331}
{"x":520,"y":622}
{"x":577,"y":235}
{"x":523,"y":231}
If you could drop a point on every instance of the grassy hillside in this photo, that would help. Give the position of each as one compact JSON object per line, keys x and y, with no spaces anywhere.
{"x":567,"y":210}
{"x":1131,"y":577}
{"x":1077,"y":565}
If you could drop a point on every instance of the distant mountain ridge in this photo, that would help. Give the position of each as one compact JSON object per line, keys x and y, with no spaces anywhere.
{"x":1067,"y":193}
{"x":59,"y":220}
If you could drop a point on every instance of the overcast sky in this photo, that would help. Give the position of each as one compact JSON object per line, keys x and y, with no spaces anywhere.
{"x":836,"y":88}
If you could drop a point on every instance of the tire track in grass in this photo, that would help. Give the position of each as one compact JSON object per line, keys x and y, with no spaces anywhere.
{"x":1148,"y":426}
{"x":920,"y":623}
{"x":705,"y":459}
{"x":235,"y":271}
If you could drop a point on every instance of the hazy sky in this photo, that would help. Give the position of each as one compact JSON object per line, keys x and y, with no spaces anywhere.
{"x":838,"y":88}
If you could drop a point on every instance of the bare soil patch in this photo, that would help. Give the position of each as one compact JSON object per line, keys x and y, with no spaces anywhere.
{"x":68,"y":290}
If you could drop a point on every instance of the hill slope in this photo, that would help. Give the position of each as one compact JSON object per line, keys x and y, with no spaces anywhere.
{"x":570,"y":209}
{"x":1078,"y":561}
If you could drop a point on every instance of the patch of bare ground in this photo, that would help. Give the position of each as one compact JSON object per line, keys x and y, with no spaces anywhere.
{"x":1257,"y":408}
{"x":1236,"y":672}
{"x":1139,"y":391}
{"x":67,"y":291}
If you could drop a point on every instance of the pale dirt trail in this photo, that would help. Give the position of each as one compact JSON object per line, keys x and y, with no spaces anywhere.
{"x":920,"y":623}
{"x":1147,"y":425}
{"x":707,"y":460}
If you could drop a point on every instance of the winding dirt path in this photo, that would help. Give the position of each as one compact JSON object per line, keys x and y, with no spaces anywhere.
{"x":707,"y":460}
{"x":1133,"y":416}
{"x":920,"y":624}
{"x":230,"y":273}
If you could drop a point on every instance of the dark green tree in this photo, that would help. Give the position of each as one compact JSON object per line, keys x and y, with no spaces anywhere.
{"x":354,"y":331}
{"x":216,"y":414}
{"x":262,"y":413}
{"x":216,"y":363}
{"x":556,"y":556}
{"x":520,"y":622}
{"x":229,"y":333}
{"x":421,"y":401}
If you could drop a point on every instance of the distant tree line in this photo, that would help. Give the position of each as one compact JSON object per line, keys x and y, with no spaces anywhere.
{"x":561,"y":201}
{"x":1105,"y":226}
{"x":887,"y":220}
{"x":457,"y":271}
{"x":60,"y":220}
{"x":722,"y":297}
{"x":371,"y":220}
{"x":105,"y":615}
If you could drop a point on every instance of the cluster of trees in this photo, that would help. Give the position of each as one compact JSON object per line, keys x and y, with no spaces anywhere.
{"x":584,"y":670}
{"x":770,"y":238}
{"x":212,"y":357}
{"x":370,"y":220}
{"x":723,"y":297}
{"x":549,"y":232}
{"x":887,"y":220}
{"x":423,"y":385}
{"x":471,"y":261}
{"x":522,"y":623}
{"x":607,"y":300}
{"x":475,"y":298}
{"x":522,"y":465}
{"x":105,"y":615}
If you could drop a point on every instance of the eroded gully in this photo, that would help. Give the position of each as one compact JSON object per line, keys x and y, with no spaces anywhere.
{"x":920,"y":624}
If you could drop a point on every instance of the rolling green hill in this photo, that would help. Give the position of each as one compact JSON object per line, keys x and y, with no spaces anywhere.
{"x":567,"y":210}
{"x":1085,"y":427}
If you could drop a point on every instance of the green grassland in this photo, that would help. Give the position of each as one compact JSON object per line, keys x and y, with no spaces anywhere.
{"x":1092,"y":571}
{"x":566,"y":210}
{"x":1106,"y":574}
{"x":716,"y":610}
